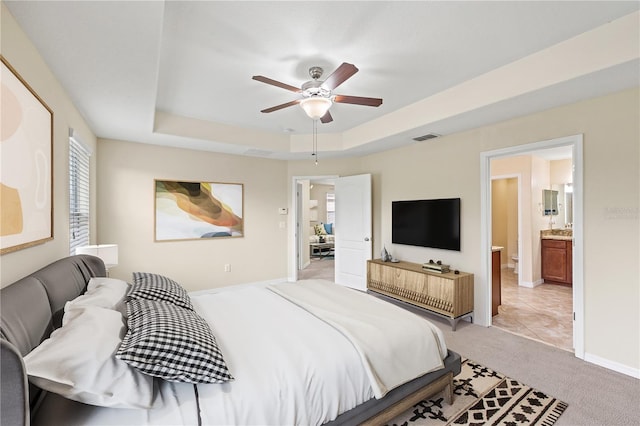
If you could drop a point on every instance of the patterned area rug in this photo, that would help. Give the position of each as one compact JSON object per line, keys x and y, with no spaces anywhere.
{"x":485,"y":397}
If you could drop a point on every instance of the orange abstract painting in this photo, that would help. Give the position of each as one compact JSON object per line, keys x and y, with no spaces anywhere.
{"x":190,"y":210}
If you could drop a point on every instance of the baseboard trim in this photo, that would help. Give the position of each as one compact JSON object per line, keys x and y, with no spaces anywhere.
{"x":531,"y":284}
{"x":612,"y":365}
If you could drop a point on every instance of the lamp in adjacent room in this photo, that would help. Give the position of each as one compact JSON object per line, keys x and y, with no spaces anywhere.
{"x":107,"y":252}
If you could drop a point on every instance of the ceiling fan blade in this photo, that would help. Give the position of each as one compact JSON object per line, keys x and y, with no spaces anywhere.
{"x":357,"y":100}
{"x":340,"y":75}
{"x":327,"y":118}
{"x":272,"y":82}
{"x":281,"y":106}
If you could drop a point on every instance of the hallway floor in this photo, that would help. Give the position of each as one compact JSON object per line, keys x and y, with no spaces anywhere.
{"x":319,"y":268}
{"x":542,"y":313}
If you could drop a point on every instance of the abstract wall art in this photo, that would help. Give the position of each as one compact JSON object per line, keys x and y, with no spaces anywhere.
{"x":198,"y":210}
{"x":26,"y":168}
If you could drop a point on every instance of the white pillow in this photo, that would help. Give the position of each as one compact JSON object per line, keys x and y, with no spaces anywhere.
{"x":77,"y":361}
{"x":101,"y":292}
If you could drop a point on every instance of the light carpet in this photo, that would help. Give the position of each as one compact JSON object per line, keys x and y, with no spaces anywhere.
{"x":485,"y":397}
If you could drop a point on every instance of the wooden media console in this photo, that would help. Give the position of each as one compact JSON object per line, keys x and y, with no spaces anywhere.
{"x":447,"y":295}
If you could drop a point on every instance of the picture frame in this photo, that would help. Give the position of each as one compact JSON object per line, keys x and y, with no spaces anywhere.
{"x":191,"y":210}
{"x":26,"y":161}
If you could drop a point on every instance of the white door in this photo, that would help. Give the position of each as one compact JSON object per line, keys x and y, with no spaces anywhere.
{"x":353,"y":245}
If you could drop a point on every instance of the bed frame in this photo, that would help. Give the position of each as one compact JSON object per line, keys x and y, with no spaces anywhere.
{"x":32,"y":307}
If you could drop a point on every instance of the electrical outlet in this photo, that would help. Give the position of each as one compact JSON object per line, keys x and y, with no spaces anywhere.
{"x":227,"y":267}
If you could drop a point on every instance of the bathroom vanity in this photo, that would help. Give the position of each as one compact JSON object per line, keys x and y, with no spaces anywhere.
{"x":557,"y":256}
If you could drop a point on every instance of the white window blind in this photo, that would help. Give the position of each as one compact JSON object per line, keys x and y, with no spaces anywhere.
{"x":79,"y":156}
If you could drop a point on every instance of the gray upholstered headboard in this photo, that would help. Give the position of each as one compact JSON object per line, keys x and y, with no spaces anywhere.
{"x":30,"y":309}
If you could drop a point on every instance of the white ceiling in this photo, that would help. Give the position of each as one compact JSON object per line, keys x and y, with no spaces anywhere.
{"x":179,"y":73}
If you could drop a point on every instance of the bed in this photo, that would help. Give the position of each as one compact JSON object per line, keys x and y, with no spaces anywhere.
{"x":273,"y":344}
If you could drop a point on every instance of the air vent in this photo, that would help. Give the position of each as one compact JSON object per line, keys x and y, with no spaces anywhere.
{"x":426,"y":137}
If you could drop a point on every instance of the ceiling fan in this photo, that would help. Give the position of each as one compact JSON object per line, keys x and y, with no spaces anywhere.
{"x":317,"y":95}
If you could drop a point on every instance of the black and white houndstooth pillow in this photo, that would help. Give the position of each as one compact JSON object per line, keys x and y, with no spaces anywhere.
{"x":157,"y":287}
{"x":172,"y":343}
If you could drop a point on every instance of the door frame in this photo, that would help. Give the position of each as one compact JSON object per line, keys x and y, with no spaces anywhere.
{"x":576,"y":142}
{"x":294,"y":239}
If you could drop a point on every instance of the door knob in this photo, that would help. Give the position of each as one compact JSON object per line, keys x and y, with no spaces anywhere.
{"x":366,"y":238}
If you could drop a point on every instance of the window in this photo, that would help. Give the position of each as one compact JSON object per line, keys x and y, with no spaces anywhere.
{"x":79,"y":156}
{"x":331,"y":208}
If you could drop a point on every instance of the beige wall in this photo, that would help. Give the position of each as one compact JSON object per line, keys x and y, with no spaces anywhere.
{"x":504,"y":217}
{"x":560,"y":171}
{"x":319,"y":193}
{"x":18,"y":50}
{"x":499,"y":218}
{"x":126,"y":176}
{"x":449,"y":166}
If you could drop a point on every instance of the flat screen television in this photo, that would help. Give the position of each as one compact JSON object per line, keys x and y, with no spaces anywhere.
{"x":426,"y":223}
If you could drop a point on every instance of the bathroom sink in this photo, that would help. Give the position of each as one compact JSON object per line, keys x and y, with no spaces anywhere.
{"x":556,"y":234}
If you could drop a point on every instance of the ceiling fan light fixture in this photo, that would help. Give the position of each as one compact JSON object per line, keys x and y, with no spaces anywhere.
{"x":316,"y":106}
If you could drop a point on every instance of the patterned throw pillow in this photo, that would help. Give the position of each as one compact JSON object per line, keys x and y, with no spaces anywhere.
{"x":319,"y":229}
{"x":172,"y":343}
{"x":157,"y":287}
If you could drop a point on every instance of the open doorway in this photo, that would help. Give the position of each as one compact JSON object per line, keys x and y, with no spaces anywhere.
{"x":314,"y":230}
{"x":530,"y":305}
{"x":320,"y":241}
{"x":352,"y":242}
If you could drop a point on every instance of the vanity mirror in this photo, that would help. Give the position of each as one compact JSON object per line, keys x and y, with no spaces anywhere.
{"x":549,"y":202}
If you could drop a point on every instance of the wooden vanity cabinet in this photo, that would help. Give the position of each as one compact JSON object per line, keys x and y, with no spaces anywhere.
{"x":557,"y":261}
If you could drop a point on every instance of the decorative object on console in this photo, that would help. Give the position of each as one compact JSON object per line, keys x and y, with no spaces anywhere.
{"x":26,"y":216}
{"x":384,"y":255}
{"x":107,"y":252}
{"x":198,"y":210}
{"x":437,"y":267}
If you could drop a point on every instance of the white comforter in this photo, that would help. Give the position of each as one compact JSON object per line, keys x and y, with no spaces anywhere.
{"x":289,"y":367}
{"x":395,"y":345}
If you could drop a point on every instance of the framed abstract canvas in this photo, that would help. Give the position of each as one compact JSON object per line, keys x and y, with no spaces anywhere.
{"x":198,"y":210}
{"x":26,"y":167}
